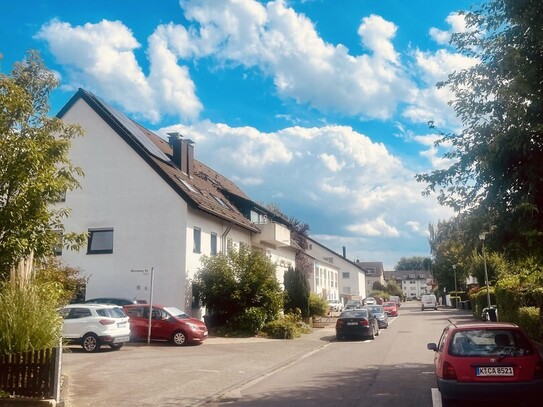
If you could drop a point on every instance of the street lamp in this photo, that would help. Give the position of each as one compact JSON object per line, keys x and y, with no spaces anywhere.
{"x":455,"y":288}
{"x":482,"y":239}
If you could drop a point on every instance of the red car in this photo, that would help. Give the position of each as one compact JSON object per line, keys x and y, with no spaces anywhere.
{"x":391,"y":308}
{"x":167,"y":323}
{"x":487,"y":361}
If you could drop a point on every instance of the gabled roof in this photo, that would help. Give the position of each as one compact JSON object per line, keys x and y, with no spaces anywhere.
{"x":207,"y":190}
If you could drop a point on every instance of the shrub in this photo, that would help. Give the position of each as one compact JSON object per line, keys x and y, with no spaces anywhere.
{"x":318,"y":306}
{"x":231,"y":283}
{"x":250,"y":322}
{"x":529,"y":321}
{"x":288,"y":326}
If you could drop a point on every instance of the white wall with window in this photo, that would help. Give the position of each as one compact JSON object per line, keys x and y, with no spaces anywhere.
{"x":346,"y":282}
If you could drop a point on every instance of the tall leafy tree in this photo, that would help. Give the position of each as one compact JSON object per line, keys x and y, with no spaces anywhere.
{"x":35,"y":170}
{"x":497,"y":174}
{"x":412,"y":263}
{"x":297,"y":291}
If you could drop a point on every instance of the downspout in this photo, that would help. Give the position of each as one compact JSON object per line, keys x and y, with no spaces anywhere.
{"x":223,"y":237}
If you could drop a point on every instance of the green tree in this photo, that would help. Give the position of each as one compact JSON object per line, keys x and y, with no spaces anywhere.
{"x":411,"y":263}
{"x":378,"y":286}
{"x":35,"y":170}
{"x":229,"y":284}
{"x":496,"y":175}
{"x":297,"y":291}
{"x":393,"y":288}
{"x":68,"y":280}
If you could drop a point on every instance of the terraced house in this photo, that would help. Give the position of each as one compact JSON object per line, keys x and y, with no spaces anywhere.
{"x":149,"y":204}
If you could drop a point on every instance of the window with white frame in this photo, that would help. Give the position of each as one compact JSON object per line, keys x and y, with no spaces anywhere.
{"x":197,"y":239}
{"x":100,"y":241}
{"x":213,"y":244}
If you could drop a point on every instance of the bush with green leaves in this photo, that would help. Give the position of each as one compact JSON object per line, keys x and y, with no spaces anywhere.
{"x":28,"y":316}
{"x":289,"y":326}
{"x":318,"y":306}
{"x":530,"y":321}
{"x":229,"y":284}
{"x":249,"y":322}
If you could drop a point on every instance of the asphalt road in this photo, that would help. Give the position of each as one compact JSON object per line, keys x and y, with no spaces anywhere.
{"x":393,"y":370}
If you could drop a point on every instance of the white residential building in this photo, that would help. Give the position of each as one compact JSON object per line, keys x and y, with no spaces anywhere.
{"x":148,"y":204}
{"x":414,"y":283}
{"x":334,"y":276}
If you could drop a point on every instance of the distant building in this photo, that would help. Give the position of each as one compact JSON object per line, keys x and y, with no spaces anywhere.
{"x":334,"y":276}
{"x":414,"y":283}
{"x":375,"y":272}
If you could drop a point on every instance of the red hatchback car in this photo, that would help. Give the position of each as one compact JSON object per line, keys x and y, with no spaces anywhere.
{"x":167,"y":323}
{"x":391,"y":308}
{"x":490,"y":360}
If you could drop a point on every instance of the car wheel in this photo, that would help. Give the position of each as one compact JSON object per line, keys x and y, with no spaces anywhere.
{"x":90,"y":343}
{"x":372,"y":335}
{"x":116,"y":346}
{"x":179,"y":338}
{"x":378,"y":331}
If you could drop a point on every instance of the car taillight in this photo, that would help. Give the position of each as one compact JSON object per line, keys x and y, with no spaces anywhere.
{"x":448,"y":371}
{"x":364,"y":323}
{"x":106,"y":321}
{"x":538,"y":370}
{"x":340,"y":323}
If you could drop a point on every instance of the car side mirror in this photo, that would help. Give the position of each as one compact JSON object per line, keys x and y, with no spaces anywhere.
{"x":432,"y":346}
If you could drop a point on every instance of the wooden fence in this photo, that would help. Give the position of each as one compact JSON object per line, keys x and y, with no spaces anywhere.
{"x":32,"y":374}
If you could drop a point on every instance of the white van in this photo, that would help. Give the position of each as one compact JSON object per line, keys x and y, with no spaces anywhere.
{"x":428,"y":301}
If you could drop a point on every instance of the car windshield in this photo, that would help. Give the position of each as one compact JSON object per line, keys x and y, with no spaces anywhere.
{"x":354,"y":313}
{"x":176,"y":312}
{"x":115,"y":312}
{"x":352,"y":302}
{"x":485,"y":342}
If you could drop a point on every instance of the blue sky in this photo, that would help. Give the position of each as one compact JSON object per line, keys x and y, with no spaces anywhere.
{"x":318,"y":106}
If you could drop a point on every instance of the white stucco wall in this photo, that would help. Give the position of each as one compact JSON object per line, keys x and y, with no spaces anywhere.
{"x":119,"y":190}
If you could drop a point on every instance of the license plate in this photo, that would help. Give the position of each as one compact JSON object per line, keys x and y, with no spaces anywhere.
{"x":352,"y":323}
{"x":495,"y":371}
{"x":121,"y":324}
{"x":121,"y":339}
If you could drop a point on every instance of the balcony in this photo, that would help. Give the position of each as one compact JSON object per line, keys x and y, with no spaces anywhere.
{"x":273,"y":234}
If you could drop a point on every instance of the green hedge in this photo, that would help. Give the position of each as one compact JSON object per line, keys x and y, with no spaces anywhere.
{"x":529,"y":320}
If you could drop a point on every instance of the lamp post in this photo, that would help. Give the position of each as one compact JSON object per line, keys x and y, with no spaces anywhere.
{"x":482,"y":239}
{"x":455,"y":288}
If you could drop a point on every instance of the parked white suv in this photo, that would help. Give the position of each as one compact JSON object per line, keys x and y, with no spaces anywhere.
{"x":94,"y":325}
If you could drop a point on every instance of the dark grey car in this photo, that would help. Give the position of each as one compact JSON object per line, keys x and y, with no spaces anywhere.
{"x":380,"y":314}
